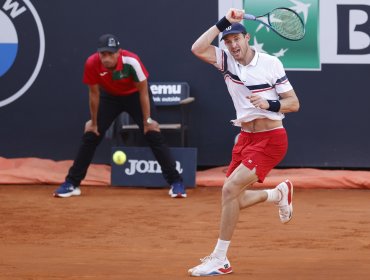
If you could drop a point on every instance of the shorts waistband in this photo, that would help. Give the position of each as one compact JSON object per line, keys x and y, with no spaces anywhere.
{"x":275,"y":130}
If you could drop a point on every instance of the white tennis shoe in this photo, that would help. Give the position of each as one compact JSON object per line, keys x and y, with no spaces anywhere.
{"x":286,"y":201}
{"x":211,"y":266}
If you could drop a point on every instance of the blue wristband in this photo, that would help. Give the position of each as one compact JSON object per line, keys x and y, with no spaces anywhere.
{"x":222,"y":24}
{"x":274,"y":105}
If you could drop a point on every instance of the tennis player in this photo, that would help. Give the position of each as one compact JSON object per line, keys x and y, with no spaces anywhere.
{"x":261,"y":93}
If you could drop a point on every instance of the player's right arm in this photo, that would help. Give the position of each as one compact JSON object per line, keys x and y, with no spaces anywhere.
{"x":203,"y":48}
{"x":94,"y":95}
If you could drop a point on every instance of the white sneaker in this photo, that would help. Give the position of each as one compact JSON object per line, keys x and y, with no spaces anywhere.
{"x":211,"y":266}
{"x":286,"y":202}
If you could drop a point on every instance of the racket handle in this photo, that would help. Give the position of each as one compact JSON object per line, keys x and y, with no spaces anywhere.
{"x":249,"y":17}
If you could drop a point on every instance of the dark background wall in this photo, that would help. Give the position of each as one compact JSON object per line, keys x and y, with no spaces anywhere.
{"x":331,"y":130}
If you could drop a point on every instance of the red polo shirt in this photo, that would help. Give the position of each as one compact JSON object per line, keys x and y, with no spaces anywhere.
{"x":122,"y":80}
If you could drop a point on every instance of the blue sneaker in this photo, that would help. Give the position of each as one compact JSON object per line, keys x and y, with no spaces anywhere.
{"x":177,"y":190}
{"x":66,"y":190}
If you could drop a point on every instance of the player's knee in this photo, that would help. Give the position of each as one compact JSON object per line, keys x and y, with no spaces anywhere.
{"x":229,"y":191}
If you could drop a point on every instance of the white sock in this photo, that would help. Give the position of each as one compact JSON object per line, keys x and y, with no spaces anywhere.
{"x":273,"y":195}
{"x":221,"y":248}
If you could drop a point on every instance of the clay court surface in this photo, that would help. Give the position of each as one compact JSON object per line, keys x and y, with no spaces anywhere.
{"x":126,"y":233}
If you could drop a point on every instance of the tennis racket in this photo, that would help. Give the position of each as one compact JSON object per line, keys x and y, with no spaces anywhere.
{"x":283,"y":21}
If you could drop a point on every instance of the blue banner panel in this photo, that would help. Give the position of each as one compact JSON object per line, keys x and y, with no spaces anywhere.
{"x":169,"y":93}
{"x":141,"y":169}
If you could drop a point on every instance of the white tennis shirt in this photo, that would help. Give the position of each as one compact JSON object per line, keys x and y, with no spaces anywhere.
{"x":264,"y":75}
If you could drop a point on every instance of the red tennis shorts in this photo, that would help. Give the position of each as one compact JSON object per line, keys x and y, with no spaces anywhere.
{"x":260,"y":150}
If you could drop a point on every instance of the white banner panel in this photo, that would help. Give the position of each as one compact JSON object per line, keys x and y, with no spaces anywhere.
{"x":345,"y":31}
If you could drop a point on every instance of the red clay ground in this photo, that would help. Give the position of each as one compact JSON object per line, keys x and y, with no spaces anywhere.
{"x":119,"y":233}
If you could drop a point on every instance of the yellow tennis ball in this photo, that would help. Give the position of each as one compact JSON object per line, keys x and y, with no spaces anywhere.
{"x":119,"y":157}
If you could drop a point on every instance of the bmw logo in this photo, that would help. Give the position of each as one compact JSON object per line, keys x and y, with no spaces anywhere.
{"x":22,"y":48}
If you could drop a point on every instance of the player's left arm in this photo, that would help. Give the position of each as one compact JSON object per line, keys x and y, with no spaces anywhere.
{"x":289,"y":102}
{"x":287,"y":97}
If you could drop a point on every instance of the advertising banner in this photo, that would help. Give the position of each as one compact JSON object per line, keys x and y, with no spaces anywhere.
{"x":140,"y":169}
{"x":303,"y":54}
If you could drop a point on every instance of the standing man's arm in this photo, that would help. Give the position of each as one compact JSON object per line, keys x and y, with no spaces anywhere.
{"x":94,"y":95}
{"x":145,"y":106}
{"x":202,"y":47}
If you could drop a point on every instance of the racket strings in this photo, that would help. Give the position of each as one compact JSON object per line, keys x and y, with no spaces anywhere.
{"x":287,"y":23}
